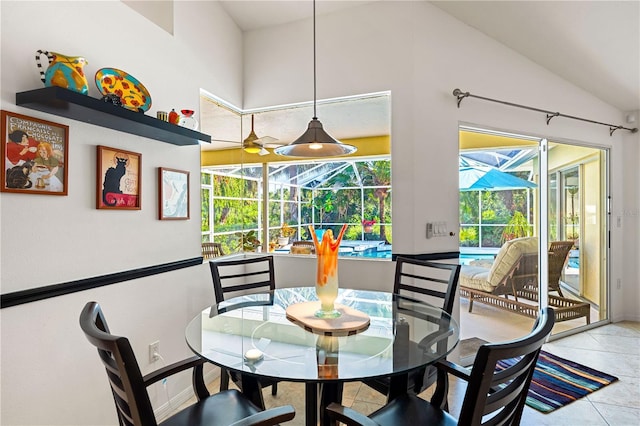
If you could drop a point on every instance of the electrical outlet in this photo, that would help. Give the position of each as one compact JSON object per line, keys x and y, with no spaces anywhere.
{"x":154,"y":348}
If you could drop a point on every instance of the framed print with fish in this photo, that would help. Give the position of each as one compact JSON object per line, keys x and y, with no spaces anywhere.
{"x":34,"y":155}
{"x":119,"y":183}
{"x":173,"y":194}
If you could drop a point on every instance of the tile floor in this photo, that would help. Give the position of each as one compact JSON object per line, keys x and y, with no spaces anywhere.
{"x":614,"y":349}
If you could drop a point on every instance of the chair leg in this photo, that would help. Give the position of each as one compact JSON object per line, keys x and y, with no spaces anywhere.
{"x":224,"y":379}
{"x":274,"y":389}
{"x":470,"y":301}
{"x":439,"y":397}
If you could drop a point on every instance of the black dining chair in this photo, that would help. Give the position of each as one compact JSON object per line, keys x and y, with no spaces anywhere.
{"x":432,"y":282}
{"x":129,"y":386}
{"x":494,"y":395}
{"x":237,"y":277}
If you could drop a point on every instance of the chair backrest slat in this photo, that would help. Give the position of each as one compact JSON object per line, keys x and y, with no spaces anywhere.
{"x":242,"y":276}
{"x":437,"y":280}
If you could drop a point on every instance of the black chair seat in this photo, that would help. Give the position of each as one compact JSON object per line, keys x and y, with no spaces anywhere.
{"x":413,"y":410}
{"x":221,"y":409}
{"x":417,"y":381}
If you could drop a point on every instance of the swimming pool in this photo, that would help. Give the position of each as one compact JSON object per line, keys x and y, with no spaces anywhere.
{"x":467,"y":258}
{"x":373,"y":254}
{"x":385,"y":253}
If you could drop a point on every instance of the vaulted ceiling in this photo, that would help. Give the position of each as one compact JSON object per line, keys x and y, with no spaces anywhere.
{"x":592,"y":44}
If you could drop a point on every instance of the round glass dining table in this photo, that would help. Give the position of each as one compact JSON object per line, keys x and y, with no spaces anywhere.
{"x":251,"y":336}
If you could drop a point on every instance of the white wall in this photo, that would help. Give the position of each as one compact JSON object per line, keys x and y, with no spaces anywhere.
{"x":173,"y":68}
{"x":50,"y":374}
{"x":421,"y":54}
{"x":410,"y":48}
{"x":628,"y":211}
{"x":359,"y":274}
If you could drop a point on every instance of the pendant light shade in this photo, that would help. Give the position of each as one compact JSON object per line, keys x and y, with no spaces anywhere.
{"x":315,"y":142}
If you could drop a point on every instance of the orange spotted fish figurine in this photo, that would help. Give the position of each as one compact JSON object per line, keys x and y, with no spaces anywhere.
{"x":63,"y":71}
{"x":327,"y":271}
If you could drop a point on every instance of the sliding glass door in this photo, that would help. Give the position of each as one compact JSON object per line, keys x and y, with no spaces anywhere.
{"x":577,"y":214}
{"x":556,"y":208}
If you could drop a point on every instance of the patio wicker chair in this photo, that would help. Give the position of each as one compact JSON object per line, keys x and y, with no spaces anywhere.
{"x":210,"y":250}
{"x":558,"y":255}
{"x":514,"y":276}
{"x":303,"y":247}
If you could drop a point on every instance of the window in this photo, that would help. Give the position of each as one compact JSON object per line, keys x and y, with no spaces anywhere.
{"x":325,"y":194}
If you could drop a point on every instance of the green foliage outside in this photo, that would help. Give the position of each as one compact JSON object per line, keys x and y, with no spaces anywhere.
{"x":517,"y":227}
{"x":247,"y":241}
{"x":329,"y":204}
{"x":499,"y":208}
{"x":469,"y":236}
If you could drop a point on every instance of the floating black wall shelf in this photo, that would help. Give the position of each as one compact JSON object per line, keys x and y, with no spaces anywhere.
{"x":66,"y":103}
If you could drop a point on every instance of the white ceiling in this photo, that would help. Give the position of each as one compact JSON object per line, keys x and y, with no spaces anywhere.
{"x":356,"y":117}
{"x":593,"y":44}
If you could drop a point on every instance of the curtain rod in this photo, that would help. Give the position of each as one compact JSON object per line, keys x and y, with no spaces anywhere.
{"x":460,"y":95}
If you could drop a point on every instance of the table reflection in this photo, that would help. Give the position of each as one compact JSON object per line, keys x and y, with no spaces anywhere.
{"x":403,"y":335}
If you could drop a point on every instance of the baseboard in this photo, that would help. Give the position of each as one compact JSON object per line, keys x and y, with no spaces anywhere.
{"x":169,"y":407}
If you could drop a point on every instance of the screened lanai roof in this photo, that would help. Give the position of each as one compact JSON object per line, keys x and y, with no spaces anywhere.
{"x":501,"y":159}
{"x":307,"y":175}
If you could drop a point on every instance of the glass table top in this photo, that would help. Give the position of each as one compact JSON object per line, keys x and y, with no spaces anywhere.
{"x":252,"y":335}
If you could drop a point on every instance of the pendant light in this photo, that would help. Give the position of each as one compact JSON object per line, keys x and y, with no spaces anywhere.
{"x":249,"y":144}
{"x":315,"y":142}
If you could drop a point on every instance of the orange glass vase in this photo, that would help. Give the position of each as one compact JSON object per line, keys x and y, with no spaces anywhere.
{"x":327,"y":271}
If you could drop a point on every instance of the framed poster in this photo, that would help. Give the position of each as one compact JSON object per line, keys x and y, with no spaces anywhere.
{"x":34,"y":155}
{"x":173,"y":194}
{"x":119,"y":179}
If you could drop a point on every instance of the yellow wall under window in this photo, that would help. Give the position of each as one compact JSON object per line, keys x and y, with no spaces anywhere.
{"x":371,"y":146}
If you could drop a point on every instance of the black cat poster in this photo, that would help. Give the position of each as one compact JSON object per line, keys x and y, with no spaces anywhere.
{"x":34,"y":154}
{"x":119,"y":179}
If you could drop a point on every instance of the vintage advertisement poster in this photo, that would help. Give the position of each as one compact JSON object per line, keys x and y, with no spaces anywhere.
{"x":119,"y":179}
{"x":35,"y":154}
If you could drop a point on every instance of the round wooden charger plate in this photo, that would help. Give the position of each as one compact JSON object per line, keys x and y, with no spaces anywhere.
{"x":350,"y":322}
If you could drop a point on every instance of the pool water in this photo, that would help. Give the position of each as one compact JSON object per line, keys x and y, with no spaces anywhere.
{"x":467,"y":258}
{"x":372,"y":254}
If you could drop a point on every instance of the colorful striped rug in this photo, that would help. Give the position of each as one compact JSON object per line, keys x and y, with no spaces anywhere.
{"x":557,"y":382}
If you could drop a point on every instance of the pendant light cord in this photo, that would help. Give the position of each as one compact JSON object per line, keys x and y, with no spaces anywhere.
{"x":315,"y":115}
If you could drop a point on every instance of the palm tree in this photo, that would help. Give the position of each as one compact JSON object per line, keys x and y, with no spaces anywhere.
{"x":378,"y":175}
